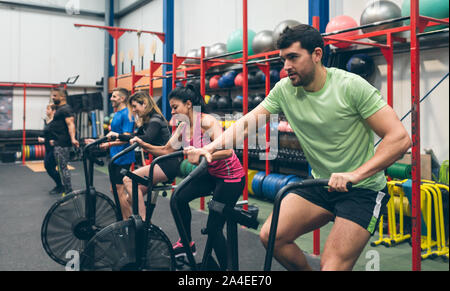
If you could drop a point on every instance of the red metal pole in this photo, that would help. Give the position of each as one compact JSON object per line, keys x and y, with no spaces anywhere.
{"x":267,"y":91}
{"x":390,"y":70}
{"x":316,"y":233}
{"x":133,"y":75}
{"x":415,"y":131}
{"x":245,"y":94}
{"x":150,"y":81}
{"x":24,"y":121}
{"x":116,"y":52}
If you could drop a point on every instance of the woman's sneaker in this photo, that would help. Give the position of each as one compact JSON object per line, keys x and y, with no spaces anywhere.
{"x":56,"y":190}
{"x":179,"y":249}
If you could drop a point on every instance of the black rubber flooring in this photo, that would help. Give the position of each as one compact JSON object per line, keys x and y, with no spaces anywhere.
{"x":24,"y":201}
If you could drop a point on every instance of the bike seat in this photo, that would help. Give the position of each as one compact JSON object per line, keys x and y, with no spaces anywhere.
{"x":234,"y":214}
{"x":134,"y":177}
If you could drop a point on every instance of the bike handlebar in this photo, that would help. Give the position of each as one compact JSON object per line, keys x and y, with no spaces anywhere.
{"x":276,"y":212}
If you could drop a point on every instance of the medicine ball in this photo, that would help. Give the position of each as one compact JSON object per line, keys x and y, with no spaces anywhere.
{"x":214,"y":82}
{"x":212,"y":104}
{"x":260,"y":77}
{"x":227,"y":79}
{"x":274,"y":75}
{"x":361,"y":64}
{"x":256,"y":100}
{"x":237,"y":102}
{"x":250,"y":100}
{"x":252,"y":78}
{"x":238,"y":80}
{"x":223,"y":102}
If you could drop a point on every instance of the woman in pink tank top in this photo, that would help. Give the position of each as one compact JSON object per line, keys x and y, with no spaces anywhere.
{"x":225,"y":177}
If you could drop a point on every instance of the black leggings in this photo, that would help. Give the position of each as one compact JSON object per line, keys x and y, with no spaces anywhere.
{"x":224,"y":191}
{"x":50,"y":166}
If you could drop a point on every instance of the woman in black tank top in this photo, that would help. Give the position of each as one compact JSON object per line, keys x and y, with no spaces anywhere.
{"x":153,"y":129}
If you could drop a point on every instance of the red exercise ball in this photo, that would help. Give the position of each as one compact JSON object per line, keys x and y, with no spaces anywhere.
{"x":238,"y":80}
{"x":283,"y":73}
{"x":214,"y":82}
{"x":342,"y":22}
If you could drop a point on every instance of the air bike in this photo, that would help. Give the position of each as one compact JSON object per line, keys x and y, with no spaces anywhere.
{"x":276,"y":212}
{"x":134,"y":244}
{"x":74,"y":219}
{"x":233,"y":216}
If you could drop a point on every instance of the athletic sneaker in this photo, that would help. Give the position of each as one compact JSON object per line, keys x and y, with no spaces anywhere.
{"x":179,"y":249}
{"x":56,"y":190}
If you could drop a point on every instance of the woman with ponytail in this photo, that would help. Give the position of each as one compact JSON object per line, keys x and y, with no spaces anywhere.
{"x":153,"y":129}
{"x":225,"y":177}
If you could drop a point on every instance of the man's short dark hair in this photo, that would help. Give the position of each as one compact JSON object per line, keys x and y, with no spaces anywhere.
{"x":124,"y":92}
{"x":61,"y":90}
{"x":309,"y":38}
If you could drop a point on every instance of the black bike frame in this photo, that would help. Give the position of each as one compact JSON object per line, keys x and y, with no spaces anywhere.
{"x":276,"y":212}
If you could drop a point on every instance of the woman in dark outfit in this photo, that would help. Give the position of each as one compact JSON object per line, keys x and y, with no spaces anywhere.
{"x":153,"y":129}
{"x":49,"y":159}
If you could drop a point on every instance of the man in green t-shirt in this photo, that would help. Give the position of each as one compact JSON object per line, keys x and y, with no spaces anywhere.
{"x":334,"y":115}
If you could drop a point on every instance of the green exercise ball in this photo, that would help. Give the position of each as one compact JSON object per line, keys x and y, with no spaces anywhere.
{"x":235,"y":41}
{"x":430,"y":8}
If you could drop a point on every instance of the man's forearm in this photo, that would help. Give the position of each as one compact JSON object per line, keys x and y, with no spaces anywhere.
{"x":72,"y":130}
{"x":387,"y":153}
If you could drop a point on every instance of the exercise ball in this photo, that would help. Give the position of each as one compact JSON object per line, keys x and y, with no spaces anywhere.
{"x":379,"y":11}
{"x":191,"y":54}
{"x":217,"y":49}
{"x":237,"y":102}
{"x":278,"y":30}
{"x":238,"y":80}
{"x":207,"y":97}
{"x":342,"y":22}
{"x":227,"y":79}
{"x":214,"y":82}
{"x":235,"y":41}
{"x":274,"y":75}
{"x":431,"y":8}
{"x":263,"y":42}
{"x":283,"y":73}
{"x":361,"y":64}
{"x":260,"y":77}
{"x":256,"y":100}
{"x":252,"y":78}
{"x":212,"y":104}
{"x":223,"y":102}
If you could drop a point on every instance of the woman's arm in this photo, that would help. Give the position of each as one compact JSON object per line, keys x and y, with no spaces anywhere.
{"x":171,"y":146}
{"x":152,"y":149}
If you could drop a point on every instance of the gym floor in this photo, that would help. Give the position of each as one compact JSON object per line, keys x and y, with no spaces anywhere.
{"x":25,"y":201}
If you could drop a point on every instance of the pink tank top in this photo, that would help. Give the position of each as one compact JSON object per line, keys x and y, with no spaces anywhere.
{"x":229,"y":169}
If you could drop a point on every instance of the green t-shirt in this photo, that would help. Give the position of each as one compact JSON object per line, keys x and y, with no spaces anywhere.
{"x":330,"y":124}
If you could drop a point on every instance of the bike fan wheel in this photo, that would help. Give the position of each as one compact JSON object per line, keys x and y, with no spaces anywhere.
{"x":113,"y":248}
{"x":66,"y":228}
